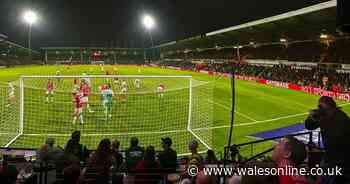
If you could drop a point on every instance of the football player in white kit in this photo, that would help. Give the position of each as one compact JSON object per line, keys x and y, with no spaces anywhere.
{"x":137,"y":84}
{"x":11,"y":94}
{"x":123,"y":92}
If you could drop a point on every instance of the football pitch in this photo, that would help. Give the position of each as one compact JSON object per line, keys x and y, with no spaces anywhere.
{"x":143,"y":113}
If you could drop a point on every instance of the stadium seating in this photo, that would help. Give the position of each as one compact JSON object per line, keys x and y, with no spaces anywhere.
{"x":13,"y":54}
{"x":77,"y":55}
{"x":304,"y":51}
{"x":307,"y":76}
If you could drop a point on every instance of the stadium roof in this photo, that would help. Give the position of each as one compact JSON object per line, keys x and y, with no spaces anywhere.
{"x":4,"y":43}
{"x":87,"y":48}
{"x":304,"y":24}
{"x":2,"y":36}
{"x":14,"y":46}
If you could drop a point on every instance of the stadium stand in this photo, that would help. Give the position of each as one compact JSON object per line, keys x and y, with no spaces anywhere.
{"x":3,"y":37}
{"x":304,"y":76}
{"x":14,"y":54}
{"x":303,"y":51}
{"x":91,"y":55}
{"x":305,"y":35}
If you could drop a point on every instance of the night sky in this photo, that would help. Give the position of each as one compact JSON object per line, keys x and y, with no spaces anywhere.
{"x":117,"y":22}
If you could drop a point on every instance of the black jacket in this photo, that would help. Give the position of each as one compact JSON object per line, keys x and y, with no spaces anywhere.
{"x":335,"y":131}
{"x":168,"y":160}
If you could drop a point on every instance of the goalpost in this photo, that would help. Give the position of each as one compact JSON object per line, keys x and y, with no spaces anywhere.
{"x":184,"y":111}
{"x":9,"y":117}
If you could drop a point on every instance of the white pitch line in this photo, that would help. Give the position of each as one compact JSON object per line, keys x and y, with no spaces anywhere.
{"x":113,"y":134}
{"x":259,"y":122}
{"x":246,"y":116}
{"x":8,"y":134}
{"x":239,"y":113}
{"x":252,"y":123}
{"x":197,"y":129}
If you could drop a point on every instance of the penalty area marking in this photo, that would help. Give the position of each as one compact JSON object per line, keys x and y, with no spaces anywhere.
{"x":260,"y":122}
{"x":239,"y":113}
{"x":7,"y":133}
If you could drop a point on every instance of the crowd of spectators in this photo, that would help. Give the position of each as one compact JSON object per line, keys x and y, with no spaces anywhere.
{"x":325,"y":77}
{"x":136,"y":165}
{"x":321,"y":77}
{"x":76,"y":165}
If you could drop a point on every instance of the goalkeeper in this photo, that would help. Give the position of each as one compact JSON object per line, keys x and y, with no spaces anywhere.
{"x":107,"y":98}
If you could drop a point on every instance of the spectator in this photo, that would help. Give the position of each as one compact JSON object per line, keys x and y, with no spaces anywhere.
{"x":168,"y":157}
{"x":118,"y":157}
{"x":289,"y":152}
{"x":134,"y":154}
{"x":210,"y":158}
{"x":49,"y":152}
{"x":257,"y":179}
{"x":79,"y":150}
{"x":302,"y":75}
{"x":68,"y":158}
{"x":148,"y":169}
{"x":210,"y":161}
{"x":185,"y":177}
{"x":26,"y":174}
{"x":194,"y":159}
{"x":193,"y":147}
{"x":71,"y":174}
{"x":8,"y":173}
{"x":335,"y":131}
{"x":100,"y":163}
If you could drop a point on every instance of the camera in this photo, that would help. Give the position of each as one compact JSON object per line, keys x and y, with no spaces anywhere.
{"x":317,"y":114}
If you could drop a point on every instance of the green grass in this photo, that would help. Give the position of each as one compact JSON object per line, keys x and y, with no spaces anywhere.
{"x":258,"y":108}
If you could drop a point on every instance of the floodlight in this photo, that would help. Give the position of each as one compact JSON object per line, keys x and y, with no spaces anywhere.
{"x":283,"y":40}
{"x":323,"y":36}
{"x":148,"y":22}
{"x":30,"y":17}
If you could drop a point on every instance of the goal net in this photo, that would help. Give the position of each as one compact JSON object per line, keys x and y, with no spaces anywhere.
{"x":9,"y":115}
{"x":115,"y":107}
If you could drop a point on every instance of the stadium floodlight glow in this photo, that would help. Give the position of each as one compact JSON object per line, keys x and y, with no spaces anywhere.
{"x":323,"y":36}
{"x":30,"y":17}
{"x":283,"y":40}
{"x":148,"y":22}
